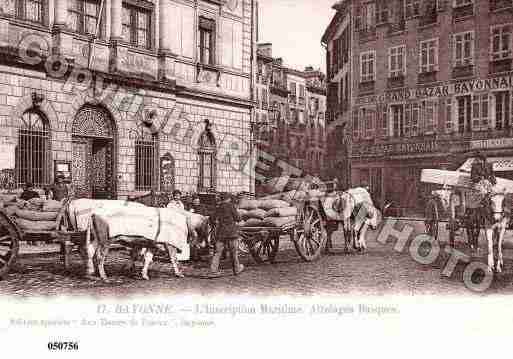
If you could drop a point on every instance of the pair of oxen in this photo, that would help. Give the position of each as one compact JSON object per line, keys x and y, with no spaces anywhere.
{"x":146,"y":230}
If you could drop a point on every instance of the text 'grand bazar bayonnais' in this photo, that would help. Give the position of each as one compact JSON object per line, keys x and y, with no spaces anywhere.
{"x":460,"y":88}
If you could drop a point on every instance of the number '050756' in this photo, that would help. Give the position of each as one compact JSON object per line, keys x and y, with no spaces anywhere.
{"x":62,"y":346}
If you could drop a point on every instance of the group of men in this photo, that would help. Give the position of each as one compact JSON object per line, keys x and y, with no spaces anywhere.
{"x":58,"y":191}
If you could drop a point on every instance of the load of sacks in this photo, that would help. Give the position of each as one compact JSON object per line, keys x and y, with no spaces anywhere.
{"x":266,"y":213}
{"x":37,"y":214}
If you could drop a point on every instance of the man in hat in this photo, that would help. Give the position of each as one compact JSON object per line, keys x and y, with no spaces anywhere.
{"x":28,"y":192}
{"x":227,"y":234}
{"x":59,"y":190}
{"x":482,"y":170}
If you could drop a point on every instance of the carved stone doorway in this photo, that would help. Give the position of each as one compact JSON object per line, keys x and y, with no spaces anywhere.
{"x":93,"y":154}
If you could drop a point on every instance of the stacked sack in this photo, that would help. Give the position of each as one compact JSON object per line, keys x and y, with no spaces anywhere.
{"x":36,"y":214}
{"x":266,"y":213}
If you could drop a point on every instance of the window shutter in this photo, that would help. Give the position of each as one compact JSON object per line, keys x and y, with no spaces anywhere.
{"x":355,"y":124}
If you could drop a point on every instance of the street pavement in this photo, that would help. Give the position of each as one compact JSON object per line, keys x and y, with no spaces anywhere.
{"x":382,"y":270}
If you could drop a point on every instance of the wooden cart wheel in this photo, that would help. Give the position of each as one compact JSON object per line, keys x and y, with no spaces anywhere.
{"x":9,"y":243}
{"x":432,"y":218}
{"x":311,"y":238}
{"x":266,"y":248}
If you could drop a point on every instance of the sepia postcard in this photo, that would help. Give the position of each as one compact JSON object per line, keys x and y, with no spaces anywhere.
{"x":250,"y":178}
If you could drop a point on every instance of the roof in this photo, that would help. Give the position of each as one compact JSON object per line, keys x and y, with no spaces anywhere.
{"x":340,"y":7}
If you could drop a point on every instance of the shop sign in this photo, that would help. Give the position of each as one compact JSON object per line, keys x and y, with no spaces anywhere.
{"x":500,"y":164}
{"x":446,"y":90}
{"x":491,"y":143}
{"x":394,"y":148}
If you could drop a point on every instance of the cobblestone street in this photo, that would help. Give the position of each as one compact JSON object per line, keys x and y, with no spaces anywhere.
{"x":380,"y":271}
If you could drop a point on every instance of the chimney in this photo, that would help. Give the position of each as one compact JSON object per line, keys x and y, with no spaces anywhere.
{"x":266,"y":49}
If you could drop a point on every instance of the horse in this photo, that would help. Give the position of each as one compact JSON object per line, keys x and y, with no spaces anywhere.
{"x":494,"y":224}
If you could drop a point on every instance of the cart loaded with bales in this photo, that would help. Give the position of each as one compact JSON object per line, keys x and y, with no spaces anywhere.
{"x":33,"y":221}
{"x":450,"y":202}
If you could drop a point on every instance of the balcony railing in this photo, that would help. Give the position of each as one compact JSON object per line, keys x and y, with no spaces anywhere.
{"x":396,"y":81}
{"x":427,"y":77}
{"x":366,"y":87}
{"x":462,"y":12}
{"x":463,"y":71}
{"x":367,"y":34}
{"x":496,"y":5}
{"x":499,"y":66}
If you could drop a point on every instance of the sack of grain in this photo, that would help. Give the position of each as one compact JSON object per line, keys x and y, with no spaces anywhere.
{"x":36,"y":215}
{"x":272,"y":186}
{"x":297,"y":184}
{"x":294,"y":196}
{"x":255,"y":213}
{"x":10,"y":210}
{"x":254,"y":222}
{"x":28,"y":225}
{"x":37,"y":202}
{"x":273,"y":203}
{"x":7,"y":198}
{"x":272,"y":196}
{"x":249,"y":204}
{"x":279,"y":221}
{"x":282,"y":212}
{"x":243,"y":213}
{"x":52,"y":206}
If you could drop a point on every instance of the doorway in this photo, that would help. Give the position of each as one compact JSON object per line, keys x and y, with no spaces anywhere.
{"x":93,"y":154}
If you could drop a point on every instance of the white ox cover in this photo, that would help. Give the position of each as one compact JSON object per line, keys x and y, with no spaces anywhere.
{"x":162,"y":225}
{"x":360,"y":195}
{"x":80,"y":210}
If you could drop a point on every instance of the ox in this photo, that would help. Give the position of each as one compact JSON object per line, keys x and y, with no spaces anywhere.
{"x":495,"y":222}
{"x":354,"y":208}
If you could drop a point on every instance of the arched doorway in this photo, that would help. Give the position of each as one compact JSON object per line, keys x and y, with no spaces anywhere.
{"x":93,"y":154}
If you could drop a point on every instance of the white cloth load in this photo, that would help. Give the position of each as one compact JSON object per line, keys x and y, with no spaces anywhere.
{"x":331,"y":203}
{"x":162,"y":225}
{"x":459,"y":179}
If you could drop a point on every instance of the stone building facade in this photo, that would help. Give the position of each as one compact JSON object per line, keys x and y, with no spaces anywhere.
{"x":291,"y":107}
{"x":126,"y":96}
{"x":432,"y":82}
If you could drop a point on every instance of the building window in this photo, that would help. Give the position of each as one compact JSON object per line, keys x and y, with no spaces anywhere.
{"x":480,"y":112}
{"x":500,"y":42}
{"x":356,"y":127}
{"x":368,"y":118}
{"x":429,"y":56}
{"x":32,"y":152}
{"x":292,"y":88}
{"x":397,"y":120}
{"x":383,"y":12}
{"x":206,"y":38}
{"x":411,"y":119}
{"x":459,"y":3}
{"x":464,"y":49}
{"x":464,"y":113}
{"x":31,"y":10}
{"x":367,"y":66}
{"x":207,"y":158}
{"x":146,"y":148}
{"x":412,"y":8}
{"x":430,"y":110}
{"x":83,"y":16}
{"x":384,"y":121}
{"x":136,"y":26}
{"x":365,"y":17}
{"x":448,"y":116}
{"x":396,"y":62}
{"x":502,"y":109}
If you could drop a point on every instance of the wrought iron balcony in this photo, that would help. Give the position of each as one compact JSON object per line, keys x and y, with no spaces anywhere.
{"x":462,"y":12}
{"x":499,"y":66}
{"x":463,"y":71}
{"x":427,"y":77}
{"x":497,"y":5}
{"x":394,"y":82}
{"x":366,"y":87}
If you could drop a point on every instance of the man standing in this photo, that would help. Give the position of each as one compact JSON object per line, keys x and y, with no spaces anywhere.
{"x":227,"y":235}
{"x":28,"y":192}
{"x":59,"y":189}
{"x":176,"y":202}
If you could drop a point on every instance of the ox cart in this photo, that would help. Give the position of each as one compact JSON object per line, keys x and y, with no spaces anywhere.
{"x":11,"y":235}
{"x":450,"y":203}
